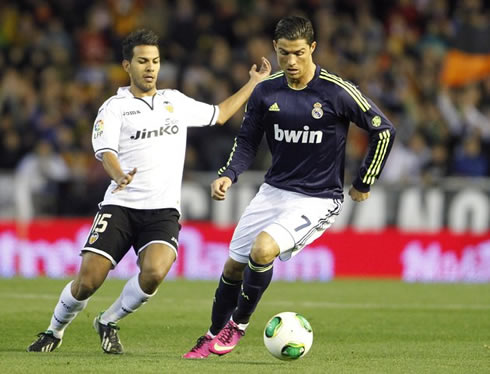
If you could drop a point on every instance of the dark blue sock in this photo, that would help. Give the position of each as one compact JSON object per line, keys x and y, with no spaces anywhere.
{"x":225,"y":301}
{"x":256,"y":279}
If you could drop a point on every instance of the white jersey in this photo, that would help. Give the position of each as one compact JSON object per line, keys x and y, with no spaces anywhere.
{"x":148,"y":134}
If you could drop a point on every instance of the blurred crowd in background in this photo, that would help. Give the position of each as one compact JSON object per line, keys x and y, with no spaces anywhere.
{"x":60,"y":60}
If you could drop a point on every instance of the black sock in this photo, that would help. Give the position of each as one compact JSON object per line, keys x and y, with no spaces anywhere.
{"x":256,"y":279}
{"x":225,"y":301}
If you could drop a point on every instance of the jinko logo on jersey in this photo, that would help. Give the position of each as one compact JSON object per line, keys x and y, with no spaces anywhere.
{"x":164,"y":130}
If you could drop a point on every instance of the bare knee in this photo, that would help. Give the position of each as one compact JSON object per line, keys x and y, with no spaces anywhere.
{"x":93,"y":271}
{"x":82,"y":288}
{"x":264,"y":249}
{"x":150,"y":279}
{"x":155,"y":262}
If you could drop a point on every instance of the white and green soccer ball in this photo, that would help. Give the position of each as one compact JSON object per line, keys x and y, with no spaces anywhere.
{"x":288,"y":336}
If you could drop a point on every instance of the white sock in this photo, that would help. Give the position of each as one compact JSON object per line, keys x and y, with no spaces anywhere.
{"x":65,"y":311}
{"x":241,"y":326}
{"x":210,"y":334}
{"x":131,"y":298}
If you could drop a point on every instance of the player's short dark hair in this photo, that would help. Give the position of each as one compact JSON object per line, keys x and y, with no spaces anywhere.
{"x":138,"y":37}
{"x":294,"y":28}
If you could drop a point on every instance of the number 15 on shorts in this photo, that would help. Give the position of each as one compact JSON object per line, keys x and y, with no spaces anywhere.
{"x":99,"y":226}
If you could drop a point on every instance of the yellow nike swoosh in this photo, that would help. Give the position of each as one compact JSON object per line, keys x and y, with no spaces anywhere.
{"x":219,"y":348}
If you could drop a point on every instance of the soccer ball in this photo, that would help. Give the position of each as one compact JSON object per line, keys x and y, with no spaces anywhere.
{"x":288,"y":336}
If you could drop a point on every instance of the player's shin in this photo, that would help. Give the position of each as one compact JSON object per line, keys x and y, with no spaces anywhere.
{"x":256,"y":279}
{"x":131,"y":298}
{"x":225,"y":302}
{"x":65,"y":311}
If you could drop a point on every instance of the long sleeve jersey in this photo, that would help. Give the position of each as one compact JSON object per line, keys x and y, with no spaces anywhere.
{"x":306,"y":131}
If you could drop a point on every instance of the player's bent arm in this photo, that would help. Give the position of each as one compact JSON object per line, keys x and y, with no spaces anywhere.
{"x":229,"y":106}
{"x":113,"y":168}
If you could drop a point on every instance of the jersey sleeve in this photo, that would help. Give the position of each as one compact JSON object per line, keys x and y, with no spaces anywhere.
{"x":356,"y":108}
{"x":247,"y":141}
{"x":107,"y":127}
{"x":196,"y":113}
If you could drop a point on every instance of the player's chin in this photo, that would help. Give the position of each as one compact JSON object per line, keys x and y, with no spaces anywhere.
{"x":293,"y":77}
{"x":147,"y":86}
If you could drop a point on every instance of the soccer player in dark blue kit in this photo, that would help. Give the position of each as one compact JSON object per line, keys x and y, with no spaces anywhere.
{"x":304,"y":112}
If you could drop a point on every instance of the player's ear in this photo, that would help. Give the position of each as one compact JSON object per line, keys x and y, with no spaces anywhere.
{"x":274,"y":43}
{"x":125,"y":65}
{"x":313,"y":46}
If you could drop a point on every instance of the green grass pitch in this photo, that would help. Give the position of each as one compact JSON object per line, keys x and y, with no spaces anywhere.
{"x":360,"y":326}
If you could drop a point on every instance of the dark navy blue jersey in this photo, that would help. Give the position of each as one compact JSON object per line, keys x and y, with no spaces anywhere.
{"x":306,"y":131}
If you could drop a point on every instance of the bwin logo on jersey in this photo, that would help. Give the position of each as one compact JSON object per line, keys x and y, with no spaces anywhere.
{"x":164,"y":130}
{"x":297,"y":136}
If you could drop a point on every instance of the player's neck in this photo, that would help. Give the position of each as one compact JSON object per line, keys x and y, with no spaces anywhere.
{"x":140,"y":93}
{"x":302,"y":82}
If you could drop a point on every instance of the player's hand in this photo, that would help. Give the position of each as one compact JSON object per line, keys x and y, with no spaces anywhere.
{"x":263,"y":72}
{"x":219,"y":188}
{"x":124,"y":180}
{"x":358,"y":195}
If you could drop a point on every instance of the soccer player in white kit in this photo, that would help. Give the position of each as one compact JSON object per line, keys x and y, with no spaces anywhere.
{"x":304,"y":112}
{"x":139,"y":135}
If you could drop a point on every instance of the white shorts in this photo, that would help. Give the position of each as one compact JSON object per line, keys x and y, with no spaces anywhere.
{"x":292,"y":219}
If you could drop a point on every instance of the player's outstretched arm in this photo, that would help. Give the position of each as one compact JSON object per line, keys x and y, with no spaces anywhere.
{"x":113,"y":168}
{"x":219,"y":188}
{"x":358,"y":195}
{"x":229,"y":106}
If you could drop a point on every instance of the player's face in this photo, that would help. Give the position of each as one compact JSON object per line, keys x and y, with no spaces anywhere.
{"x":143,"y":69}
{"x":295,"y":57}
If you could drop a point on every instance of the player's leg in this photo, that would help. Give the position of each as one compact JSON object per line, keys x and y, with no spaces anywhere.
{"x":224,"y":303}
{"x":226,"y":295}
{"x":155,"y":242}
{"x":155,"y":262}
{"x":73,"y":300}
{"x":257,"y":276}
{"x":303,"y":219}
{"x":293,"y":221}
{"x":110,"y":238}
{"x":262,"y":210}
{"x":257,"y":215}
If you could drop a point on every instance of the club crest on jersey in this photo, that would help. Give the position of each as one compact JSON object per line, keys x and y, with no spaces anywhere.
{"x":376,"y":121}
{"x":168,"y":106}
{"x":317,"y":111}
{"x":98,"y":128}
{"x":93,"y":238}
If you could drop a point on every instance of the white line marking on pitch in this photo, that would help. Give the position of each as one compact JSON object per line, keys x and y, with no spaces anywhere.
{"x":285,"y":303}
{"x":333,"y":305}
